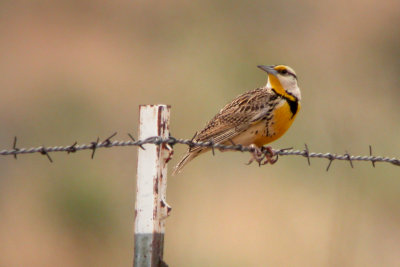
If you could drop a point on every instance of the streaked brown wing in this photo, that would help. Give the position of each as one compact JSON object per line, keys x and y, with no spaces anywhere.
{"x":237,"y":116}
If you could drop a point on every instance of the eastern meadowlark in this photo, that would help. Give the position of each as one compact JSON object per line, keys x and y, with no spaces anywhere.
{"x":254,"y":118}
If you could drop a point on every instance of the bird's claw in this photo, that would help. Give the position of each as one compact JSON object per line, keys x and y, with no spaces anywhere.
{"x":270,"y":156}
{"x":259,"y":155}
{"x":256,"y":154}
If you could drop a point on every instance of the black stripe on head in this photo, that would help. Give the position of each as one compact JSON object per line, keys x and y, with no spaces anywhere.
{"x":285,"y":72}
{"x":288,"y":73}
{"x":292,"y":74}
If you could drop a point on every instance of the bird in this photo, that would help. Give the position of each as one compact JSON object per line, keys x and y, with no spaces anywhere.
{"x":254,"y":118}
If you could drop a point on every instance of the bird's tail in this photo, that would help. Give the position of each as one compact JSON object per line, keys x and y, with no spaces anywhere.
{"x":188,"y":157}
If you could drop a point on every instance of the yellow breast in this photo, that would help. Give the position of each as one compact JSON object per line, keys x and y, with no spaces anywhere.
{"x":281,"y":121}
{"x":259,"y":134}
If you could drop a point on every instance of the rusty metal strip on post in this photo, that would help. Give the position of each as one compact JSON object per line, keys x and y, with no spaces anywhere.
{"x":151,"y":208}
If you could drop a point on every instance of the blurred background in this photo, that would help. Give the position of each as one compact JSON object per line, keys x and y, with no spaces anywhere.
{"x":75,"y":70}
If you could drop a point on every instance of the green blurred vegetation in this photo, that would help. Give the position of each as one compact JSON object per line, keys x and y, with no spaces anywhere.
{"x":81,"y":204}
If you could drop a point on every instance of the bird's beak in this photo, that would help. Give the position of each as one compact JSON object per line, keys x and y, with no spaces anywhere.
{"x":268,"y":69}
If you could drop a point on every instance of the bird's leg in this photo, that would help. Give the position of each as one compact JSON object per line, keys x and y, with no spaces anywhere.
{"x":270,"y":156}
{"x":257,"y":154}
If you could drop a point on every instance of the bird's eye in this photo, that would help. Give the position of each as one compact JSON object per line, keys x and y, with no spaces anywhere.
{"x":284,"y":71}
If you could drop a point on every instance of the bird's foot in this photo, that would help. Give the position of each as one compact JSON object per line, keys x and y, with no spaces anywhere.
{"x":270,"y":156}
{"x":256,"y":155}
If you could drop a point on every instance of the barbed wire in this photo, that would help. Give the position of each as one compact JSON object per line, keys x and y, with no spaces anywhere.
{"x":171,"y":141}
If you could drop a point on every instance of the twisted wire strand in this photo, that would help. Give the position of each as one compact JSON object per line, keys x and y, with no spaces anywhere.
{"x":107,"y":143}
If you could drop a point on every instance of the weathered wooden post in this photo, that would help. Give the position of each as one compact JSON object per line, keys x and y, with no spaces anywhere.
{"x":151,"y":208}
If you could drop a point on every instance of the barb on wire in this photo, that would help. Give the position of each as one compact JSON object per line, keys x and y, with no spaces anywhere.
{"x":94,"y":146}
{"x":330,"y":158}
{"x":133,"y":139}
{"x":307,"y":154}
{"x":43,"y":151}
{"x":107,"y":142}
{"x":71,"y":148}
{"x":171,"y":141}
{"x":15,"y":146}
{"x":370,"y":153}
{"x":349,"y":159}
{"x":212,"y":146}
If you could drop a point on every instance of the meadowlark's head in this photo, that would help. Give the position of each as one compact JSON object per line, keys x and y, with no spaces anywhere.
{"x":283,"y":79}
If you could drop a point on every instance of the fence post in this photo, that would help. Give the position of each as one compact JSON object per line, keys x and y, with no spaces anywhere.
{"x":151,"y":208}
